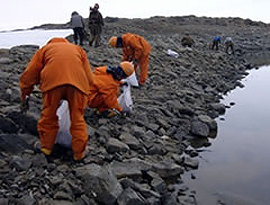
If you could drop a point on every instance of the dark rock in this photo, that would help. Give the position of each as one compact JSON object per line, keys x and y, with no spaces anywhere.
{"x":19,"y":164}
{"x":167,"y":169}
{"x":220,"y":108}
{"x":130,"y":197}
{"x":99,"y":182}
{"x":181,"y":97}
{"x":130,"y":140}
{"x":199,"y":128}
{"x":7,"y":125}
{"x":115,"y":145}
{"x":146,"y":193}
{"x":12,"y":143}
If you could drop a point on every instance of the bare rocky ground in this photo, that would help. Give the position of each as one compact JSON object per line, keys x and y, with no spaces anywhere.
{"x":138,"y":159}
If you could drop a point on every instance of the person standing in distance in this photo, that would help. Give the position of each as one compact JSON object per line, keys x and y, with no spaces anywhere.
{"x":95,"y":23}
{"x":77,"y":25}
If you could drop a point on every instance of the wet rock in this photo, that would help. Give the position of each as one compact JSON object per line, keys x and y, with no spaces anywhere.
{"x":212,"y":124}
{"x":220,"y":108}
{"x":100,"y":182}
{"x":145,"y":192}
{"x":130,"y":197}
{"x":167,"y":169}
{"x":193,"y":163}
{"x":168,"y":199}
{"x":200,"y":129}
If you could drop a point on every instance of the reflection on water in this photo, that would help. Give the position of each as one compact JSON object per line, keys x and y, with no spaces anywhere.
{"x":238,"y":159}
{"x":36,"y":37}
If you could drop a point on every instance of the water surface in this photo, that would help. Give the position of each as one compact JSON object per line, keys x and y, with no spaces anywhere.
{"x":237,"y":162}
{"x":34,"y":37}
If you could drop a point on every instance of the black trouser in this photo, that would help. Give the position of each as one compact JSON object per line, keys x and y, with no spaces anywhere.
{"x":215,"y":44}
{"x":95,"y":31}
{"x":78,"y":31}
{"x":229,"y":46}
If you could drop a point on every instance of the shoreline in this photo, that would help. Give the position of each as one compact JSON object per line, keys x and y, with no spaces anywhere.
{"x":179,"y":104}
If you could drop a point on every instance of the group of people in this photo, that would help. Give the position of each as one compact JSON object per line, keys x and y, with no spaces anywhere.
{"x":63,"y":72}
{"x":229,"y":45}
{"x":95,"y":24}
{"x":187,"y":41}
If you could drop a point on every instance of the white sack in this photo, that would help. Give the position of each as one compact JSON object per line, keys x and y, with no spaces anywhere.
{"x":125,"y":99}
{"x":132,"y":80}
{"x":172,"y":53}
{"x":64,"y":137}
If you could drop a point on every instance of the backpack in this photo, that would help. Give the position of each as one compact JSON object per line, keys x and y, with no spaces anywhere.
{"x":94,"y":18}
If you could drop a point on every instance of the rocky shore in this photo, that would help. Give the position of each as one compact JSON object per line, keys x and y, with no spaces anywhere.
{"x":138,"y":159}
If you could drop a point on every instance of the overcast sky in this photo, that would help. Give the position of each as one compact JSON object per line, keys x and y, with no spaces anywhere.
{"x":28,"y":13}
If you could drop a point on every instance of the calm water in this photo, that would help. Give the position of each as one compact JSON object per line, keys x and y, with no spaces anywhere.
{"x":238,"y":162}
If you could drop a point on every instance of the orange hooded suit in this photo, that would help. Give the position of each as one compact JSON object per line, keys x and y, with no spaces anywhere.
{"x":136,"y":48}
{"x":104,"y":91}
{"x":62,"y":71}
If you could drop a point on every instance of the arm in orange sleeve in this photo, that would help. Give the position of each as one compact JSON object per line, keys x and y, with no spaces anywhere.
{"x":125,"y":57}
{"x":87,"y":67}
{"x":110,"y":98}
{"x":31,"y":75}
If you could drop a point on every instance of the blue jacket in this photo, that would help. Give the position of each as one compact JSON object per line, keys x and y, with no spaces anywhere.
{"x":217,"y":39}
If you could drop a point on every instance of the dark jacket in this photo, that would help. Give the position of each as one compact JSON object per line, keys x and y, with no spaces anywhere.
{"x":95,"y":18}
{"x":76,"y":21}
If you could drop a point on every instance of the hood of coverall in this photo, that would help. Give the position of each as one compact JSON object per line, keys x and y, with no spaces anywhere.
{"x":58,"y":40}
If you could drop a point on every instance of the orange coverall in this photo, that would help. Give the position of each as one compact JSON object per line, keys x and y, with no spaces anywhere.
{"x":104,"y":91}
{"x":137,"y":48}
{"x":62,"y":71}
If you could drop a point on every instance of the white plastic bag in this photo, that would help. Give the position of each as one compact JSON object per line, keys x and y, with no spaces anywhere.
{"x":172,"y":53}
{"x":132,"y":80}
{"x":125,"y":99}
{"x":64,"y":137}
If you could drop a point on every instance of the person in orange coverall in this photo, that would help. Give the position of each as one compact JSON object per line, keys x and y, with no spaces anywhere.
{"x":105,"y":89}
{"x":62,"y":71}
{"x":135,"y":49}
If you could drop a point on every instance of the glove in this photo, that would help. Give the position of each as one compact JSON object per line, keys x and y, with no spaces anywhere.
{"x":124,"y":114}
{"x":124,"y":84}
{"x":135,"y":61}
{"x":111,"y":113}
{"x":25,"y":104}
